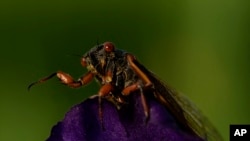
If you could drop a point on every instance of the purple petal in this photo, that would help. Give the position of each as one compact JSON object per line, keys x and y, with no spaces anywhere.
{"x":82,"y":123}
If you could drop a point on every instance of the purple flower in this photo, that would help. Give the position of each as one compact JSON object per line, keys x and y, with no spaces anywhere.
{"x":82,"y":123}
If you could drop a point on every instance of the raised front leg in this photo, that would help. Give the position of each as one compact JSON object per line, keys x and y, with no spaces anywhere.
{"x":67,"y":79}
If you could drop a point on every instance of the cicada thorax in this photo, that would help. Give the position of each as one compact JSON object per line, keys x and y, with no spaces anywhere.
{"x":117,"y":73}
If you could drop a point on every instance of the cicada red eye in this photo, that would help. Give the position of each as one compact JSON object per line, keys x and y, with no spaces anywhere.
{"x":109,"y":47}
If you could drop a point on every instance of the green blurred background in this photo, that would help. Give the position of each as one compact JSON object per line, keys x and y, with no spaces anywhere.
{"x":199,"y":47}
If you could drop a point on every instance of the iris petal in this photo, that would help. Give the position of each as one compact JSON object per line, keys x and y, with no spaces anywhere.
{"x":82,"y":123}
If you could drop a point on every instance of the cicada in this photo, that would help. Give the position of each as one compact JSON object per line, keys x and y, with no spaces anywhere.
{"x":120,"y":74}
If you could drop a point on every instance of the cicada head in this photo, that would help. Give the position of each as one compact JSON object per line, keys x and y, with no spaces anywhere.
{"x":97,"y":58}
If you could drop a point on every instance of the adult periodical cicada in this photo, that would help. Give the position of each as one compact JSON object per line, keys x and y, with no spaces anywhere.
{"x":120,"y":74}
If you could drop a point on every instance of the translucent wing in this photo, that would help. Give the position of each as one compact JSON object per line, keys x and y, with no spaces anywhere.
{"x":183,"y":109}
{"x":193,"y":116}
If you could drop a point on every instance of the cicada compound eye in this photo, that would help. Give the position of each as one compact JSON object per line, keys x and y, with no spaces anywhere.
{"x":109,"y":47}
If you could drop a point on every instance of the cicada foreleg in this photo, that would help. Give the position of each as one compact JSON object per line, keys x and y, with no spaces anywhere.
{"x":67,"y":79}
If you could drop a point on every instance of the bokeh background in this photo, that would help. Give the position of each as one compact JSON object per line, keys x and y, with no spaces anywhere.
{"x":199,"y":47}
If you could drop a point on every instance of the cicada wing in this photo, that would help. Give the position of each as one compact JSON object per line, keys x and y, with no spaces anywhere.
{"x":196,"y":120}
{"x":182,"y":108}
{"x":192,"y":116}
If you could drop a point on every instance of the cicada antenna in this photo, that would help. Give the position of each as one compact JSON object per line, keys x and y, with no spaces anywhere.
{"x":75,"y":55}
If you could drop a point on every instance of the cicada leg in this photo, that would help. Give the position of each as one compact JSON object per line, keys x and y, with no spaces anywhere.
{"x":67,"y":79}
{"x":138,"y":86}
{"x":104,"y":91}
